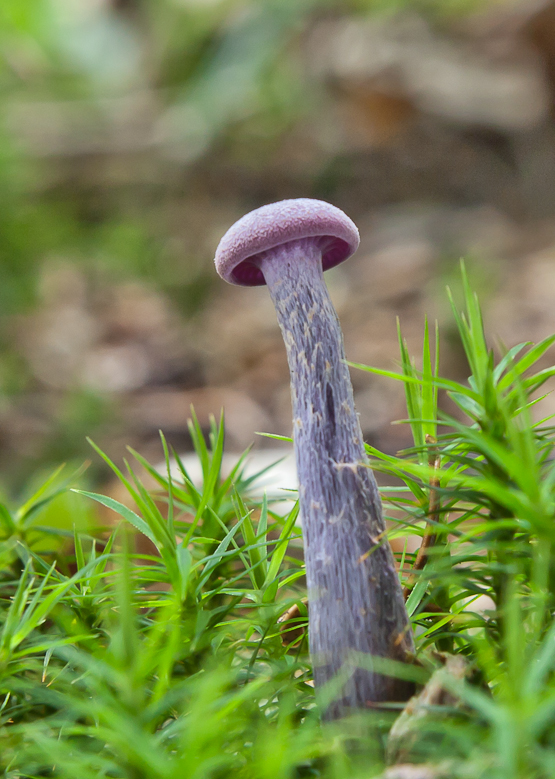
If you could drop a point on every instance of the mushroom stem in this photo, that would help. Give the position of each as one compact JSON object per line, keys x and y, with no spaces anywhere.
{"x":355,"y":599}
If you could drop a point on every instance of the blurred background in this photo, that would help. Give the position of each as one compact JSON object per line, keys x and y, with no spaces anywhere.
{"x":135,"y":132}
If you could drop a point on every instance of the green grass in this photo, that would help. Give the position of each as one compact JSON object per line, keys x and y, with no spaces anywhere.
{"x":165,"y":658}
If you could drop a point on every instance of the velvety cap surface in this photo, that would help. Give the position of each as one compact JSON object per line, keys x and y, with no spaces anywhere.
{"x":278,"y":223}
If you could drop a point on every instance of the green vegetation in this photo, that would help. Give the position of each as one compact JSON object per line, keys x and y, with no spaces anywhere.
{"x":165,"y":658}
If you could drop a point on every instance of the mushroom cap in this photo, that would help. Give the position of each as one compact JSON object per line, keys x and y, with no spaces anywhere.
{"x":241,"y":248}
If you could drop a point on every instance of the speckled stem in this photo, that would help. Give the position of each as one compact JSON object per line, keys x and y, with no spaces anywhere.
{"x":355,"y":598}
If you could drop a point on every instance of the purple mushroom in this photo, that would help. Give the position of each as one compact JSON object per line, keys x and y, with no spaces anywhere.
{"x":355,"y":599}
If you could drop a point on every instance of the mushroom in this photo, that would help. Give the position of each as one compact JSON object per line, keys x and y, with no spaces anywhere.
{"x":356,"y":602}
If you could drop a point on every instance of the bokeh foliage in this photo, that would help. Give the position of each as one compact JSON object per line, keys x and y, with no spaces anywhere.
{"x":121,"y":122}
